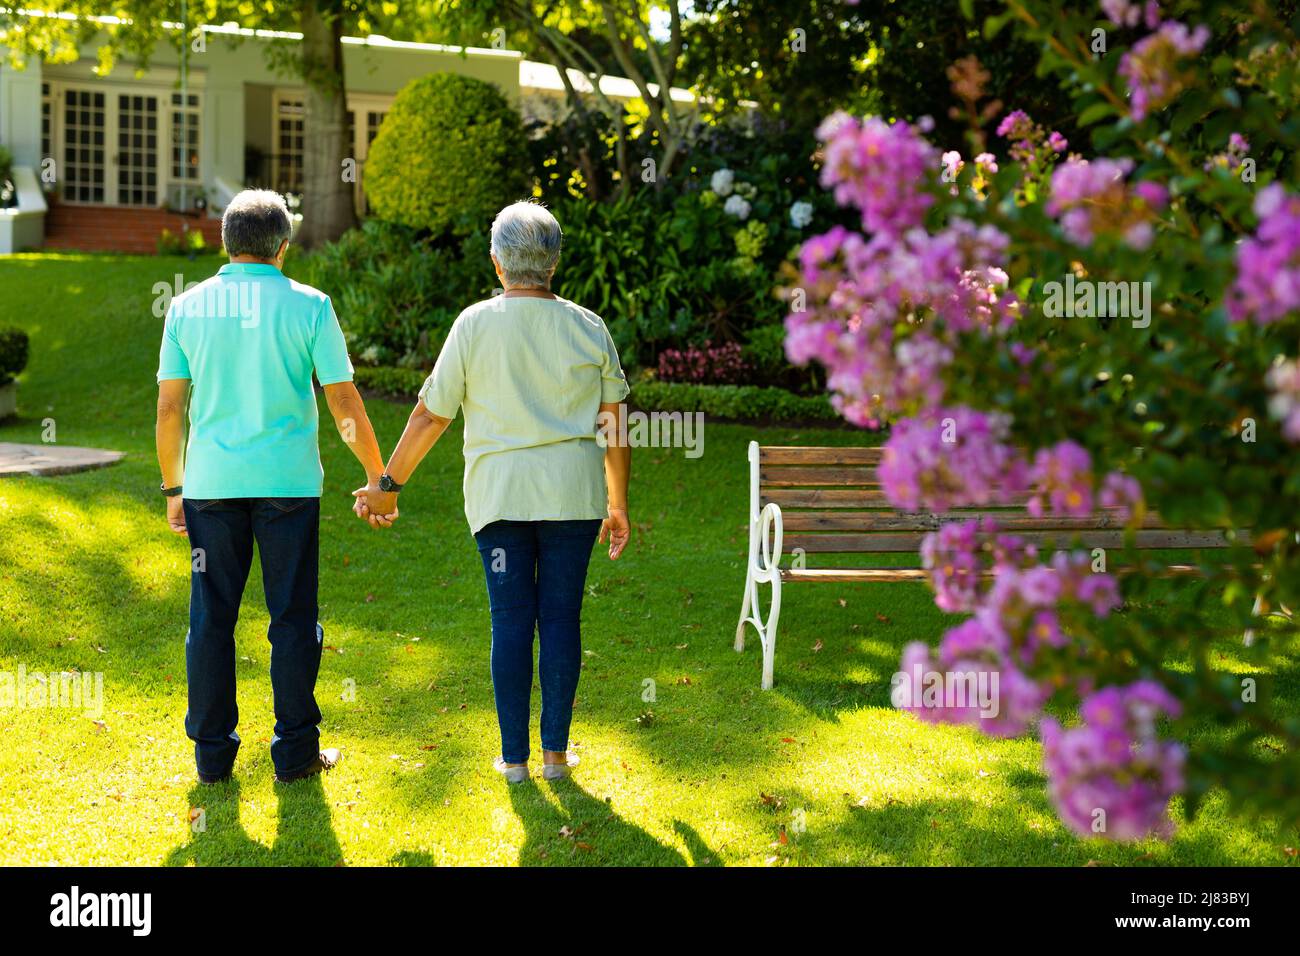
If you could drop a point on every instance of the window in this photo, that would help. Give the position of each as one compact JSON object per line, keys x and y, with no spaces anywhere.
{"x":185,"y":138}
{"x":373,"y":119}
{"x":47,"y":121}
{"x":83,"y":146}
{"x":288,"y":146}
{"x":137,"y":150}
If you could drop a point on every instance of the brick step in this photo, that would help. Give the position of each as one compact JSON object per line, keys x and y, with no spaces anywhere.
{"x":120,"y":228}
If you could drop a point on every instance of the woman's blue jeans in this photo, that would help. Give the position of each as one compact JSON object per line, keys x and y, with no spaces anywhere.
{"x":536,"y":572}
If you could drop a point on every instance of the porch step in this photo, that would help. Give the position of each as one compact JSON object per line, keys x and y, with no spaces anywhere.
{"x":120,"y":228}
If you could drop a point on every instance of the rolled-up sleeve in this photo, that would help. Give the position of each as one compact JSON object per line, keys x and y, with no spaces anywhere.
{"x":613,"y":383}
{"x":443,"y":391}
{"x":329,"y":350}
{"x":172,"y":362}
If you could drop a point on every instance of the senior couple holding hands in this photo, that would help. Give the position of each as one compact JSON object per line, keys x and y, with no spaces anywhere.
{"x":533,"y":373}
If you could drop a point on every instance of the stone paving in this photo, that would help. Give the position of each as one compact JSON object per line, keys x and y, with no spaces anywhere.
{"x":52,"y":459}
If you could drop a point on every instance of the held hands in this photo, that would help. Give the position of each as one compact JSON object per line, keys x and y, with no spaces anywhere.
{"x":617,"y":531}
{"x":379,"y":508}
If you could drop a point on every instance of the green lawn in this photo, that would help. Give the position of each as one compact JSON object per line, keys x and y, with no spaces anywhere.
{"x":714,"y":772}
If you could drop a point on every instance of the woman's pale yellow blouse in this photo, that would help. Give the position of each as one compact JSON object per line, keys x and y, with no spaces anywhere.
{"x":530,"y":374}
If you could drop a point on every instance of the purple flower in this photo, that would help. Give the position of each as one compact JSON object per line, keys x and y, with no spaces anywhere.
{"x":1155,"y":68}
{"x":1122,"y":494}
{"x":970,"y":681}
{"x":1112,"y":776}
{"x":1126,"y":13}
{"x":949,"y":458}
{"x":1267,"y":287}
{"x":879,"y":168}
{"x":1064,"y":474}
{"x":1091,"y":198}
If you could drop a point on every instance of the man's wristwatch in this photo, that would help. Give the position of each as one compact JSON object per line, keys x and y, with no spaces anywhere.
{"x":170,"y":492}
{"x":387,"y":484}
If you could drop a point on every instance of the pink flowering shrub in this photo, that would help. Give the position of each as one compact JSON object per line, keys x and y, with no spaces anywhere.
{"x":1181,"y":398}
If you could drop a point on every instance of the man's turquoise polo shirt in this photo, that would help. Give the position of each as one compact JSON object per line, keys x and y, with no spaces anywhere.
{"x":249,"y":339}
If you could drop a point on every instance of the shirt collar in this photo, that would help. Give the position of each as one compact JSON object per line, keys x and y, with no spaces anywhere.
{"x":249,"y":268}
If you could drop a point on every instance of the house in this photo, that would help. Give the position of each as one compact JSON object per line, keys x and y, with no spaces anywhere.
{"x":124,"y":156}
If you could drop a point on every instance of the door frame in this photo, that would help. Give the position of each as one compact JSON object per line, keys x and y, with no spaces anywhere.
{"x":162,"y":91}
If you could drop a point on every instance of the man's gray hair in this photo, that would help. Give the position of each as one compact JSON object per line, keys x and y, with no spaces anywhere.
{"x":255,"y":224}
{"x":526,"y":241}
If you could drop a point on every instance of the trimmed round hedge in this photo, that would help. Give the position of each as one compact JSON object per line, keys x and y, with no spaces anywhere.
{"x":450,"y":153}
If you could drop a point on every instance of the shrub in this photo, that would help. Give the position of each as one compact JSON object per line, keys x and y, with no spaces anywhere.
{"x":1184,"y":399}
{"x":189,"y":242}
{"x":13,"y":353}
{"x":449,"y":154}
{"x":397,"y":382}
{"x":397,"y":292}
{"x":742,"y":402}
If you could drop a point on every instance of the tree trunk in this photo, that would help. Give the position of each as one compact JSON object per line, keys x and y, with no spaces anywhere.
{"x":327,"y":196}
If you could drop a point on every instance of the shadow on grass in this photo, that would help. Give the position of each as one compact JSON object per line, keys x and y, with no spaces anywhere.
{"x":585,"y":831}
{"x":304,"y":829}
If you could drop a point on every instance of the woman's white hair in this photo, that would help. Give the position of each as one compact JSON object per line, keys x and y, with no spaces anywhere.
{"x":526,"y":242}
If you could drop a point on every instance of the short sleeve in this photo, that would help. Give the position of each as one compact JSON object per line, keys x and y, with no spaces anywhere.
{"x":172,"y":362}
{"x":444,"y":390}
{"x":613,"y":383}
{"x":329,"y":350}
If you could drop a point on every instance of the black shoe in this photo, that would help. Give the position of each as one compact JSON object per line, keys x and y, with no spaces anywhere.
{"x":325,"y":760}
{"x":209,"y":778}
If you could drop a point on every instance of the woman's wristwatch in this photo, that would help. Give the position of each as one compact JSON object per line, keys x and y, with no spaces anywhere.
{"x":387,"y":484}
{"x":170,"y":492}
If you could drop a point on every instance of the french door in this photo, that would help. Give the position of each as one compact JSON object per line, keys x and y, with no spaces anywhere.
{"x":111,"y":147}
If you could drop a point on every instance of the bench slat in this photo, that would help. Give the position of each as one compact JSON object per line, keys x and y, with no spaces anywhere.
{"x":919,"y":574}
{"x":794,"y":475}
{"x":859,"y":498}
{"x":854,"y":574}
{"x":1008,"y":521}
{"x":793,"y":455}
{"x":887,"y":542}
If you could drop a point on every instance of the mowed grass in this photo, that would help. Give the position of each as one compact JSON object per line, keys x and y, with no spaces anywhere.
{"x":713,"y":771}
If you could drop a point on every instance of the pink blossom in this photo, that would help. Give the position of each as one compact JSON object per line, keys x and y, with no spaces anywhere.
{"x":881,"y":169}
{"x":949,"y":458}
{"x":1062,"y":473}
{"x":1112,"y":776}
{"x":1122,"y":494}
{"x":1267,"y":287}
{"x":1154,"y":68}
{"x":1283,"y":380}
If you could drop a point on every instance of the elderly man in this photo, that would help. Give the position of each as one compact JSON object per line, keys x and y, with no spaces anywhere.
{"x":240,"y":350}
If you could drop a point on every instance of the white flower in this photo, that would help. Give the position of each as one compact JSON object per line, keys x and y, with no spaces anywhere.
{"x":801,"y":214}
{"x":722,"y":182}
{"x":736,"y":206}
{"x":370,"y":354}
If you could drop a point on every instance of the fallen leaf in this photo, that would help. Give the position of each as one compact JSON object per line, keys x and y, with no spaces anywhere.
{"x":818,"y":646}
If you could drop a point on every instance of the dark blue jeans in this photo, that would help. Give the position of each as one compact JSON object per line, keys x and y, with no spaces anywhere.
{"x":536,"y":572}
{"x":222,"y":532}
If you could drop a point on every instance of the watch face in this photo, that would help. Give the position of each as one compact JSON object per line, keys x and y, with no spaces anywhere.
{"x":386,"y":483}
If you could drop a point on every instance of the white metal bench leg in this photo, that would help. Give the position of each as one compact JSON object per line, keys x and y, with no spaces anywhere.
{"x":744,"y":608}
{"x":762,"y":566}
{"x":1256,"y":610}
{"x":768,"y":633}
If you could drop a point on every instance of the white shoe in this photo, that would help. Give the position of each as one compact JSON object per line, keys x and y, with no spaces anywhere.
{"x":558,"y":771}
{"x":515,"y":774}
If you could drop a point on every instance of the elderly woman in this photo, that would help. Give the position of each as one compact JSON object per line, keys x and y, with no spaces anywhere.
{"x":534,"y":374}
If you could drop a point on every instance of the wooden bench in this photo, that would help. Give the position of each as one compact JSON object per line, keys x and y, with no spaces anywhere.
{"x":829,"y":501}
